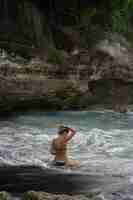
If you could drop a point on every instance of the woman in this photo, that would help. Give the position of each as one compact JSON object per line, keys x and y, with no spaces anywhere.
{"x":59,"y":148}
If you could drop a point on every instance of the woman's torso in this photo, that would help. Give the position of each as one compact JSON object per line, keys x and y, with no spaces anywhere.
{"x":60,"y":149}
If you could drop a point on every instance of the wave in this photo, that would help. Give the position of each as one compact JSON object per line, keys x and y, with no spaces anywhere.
{"x":33,"y":143}
{"x":26,"y":140}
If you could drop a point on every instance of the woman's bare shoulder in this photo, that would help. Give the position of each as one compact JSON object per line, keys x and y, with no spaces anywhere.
{"x":58,"y":142}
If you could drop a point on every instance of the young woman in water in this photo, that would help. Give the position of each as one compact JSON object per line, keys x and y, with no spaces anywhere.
{"x":59,"y":147}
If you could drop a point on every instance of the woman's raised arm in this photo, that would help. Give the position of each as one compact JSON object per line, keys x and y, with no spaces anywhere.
{"x":70,"y":134}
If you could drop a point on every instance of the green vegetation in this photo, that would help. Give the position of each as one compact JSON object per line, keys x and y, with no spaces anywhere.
{"x":40,"y":24}
{"x":92,"y":19}
{"x":121,"y":13}
{"x":89,"y":18}
{"x":55,"y":56}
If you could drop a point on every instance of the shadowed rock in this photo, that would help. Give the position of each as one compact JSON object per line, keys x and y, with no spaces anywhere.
{"x":19,"y":179}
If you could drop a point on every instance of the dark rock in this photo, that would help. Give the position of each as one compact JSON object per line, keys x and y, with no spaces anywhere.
{"x":45,"y":179}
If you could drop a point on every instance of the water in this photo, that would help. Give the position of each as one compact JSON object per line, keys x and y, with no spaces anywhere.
{"x":103,"y":143}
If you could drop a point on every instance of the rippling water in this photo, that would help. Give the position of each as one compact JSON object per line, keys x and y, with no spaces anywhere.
{"x":103,"y":143}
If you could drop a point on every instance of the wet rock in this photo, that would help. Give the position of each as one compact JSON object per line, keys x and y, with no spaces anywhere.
{"x":111,"y":60}
{"x":32,"y":195}
{"x":99,"y":197}
{"x":4,"y":195}
{"x":93,"y":193}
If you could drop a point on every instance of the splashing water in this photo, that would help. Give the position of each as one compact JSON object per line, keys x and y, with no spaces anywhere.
{"x":103,"y":143}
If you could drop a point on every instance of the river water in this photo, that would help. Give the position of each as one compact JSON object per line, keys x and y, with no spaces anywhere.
{"x":103,"y":142}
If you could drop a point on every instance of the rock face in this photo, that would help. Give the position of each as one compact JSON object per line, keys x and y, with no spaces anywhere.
{"x":25,"y":21}
{"x":37,"y":84}
{"x":59,"y":75}
{"x":72,"y":81}
{"x":111,"y":63}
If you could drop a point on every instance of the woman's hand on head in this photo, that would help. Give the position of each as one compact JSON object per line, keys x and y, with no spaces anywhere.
{"x":69,"y":135}
{"x":71,"y":131}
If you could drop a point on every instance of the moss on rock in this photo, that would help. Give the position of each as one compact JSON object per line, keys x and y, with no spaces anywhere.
{"x":32,"y":195}
{"x":4,"y":195}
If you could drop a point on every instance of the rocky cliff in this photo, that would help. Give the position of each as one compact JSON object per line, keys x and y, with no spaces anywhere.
{"x":102,"y":76}
{"x":38,"y":84}
{"x":46,"y":62}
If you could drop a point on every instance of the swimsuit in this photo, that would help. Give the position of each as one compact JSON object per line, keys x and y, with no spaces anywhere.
{"x":57,"y":150}
{"x":59,"y":163}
